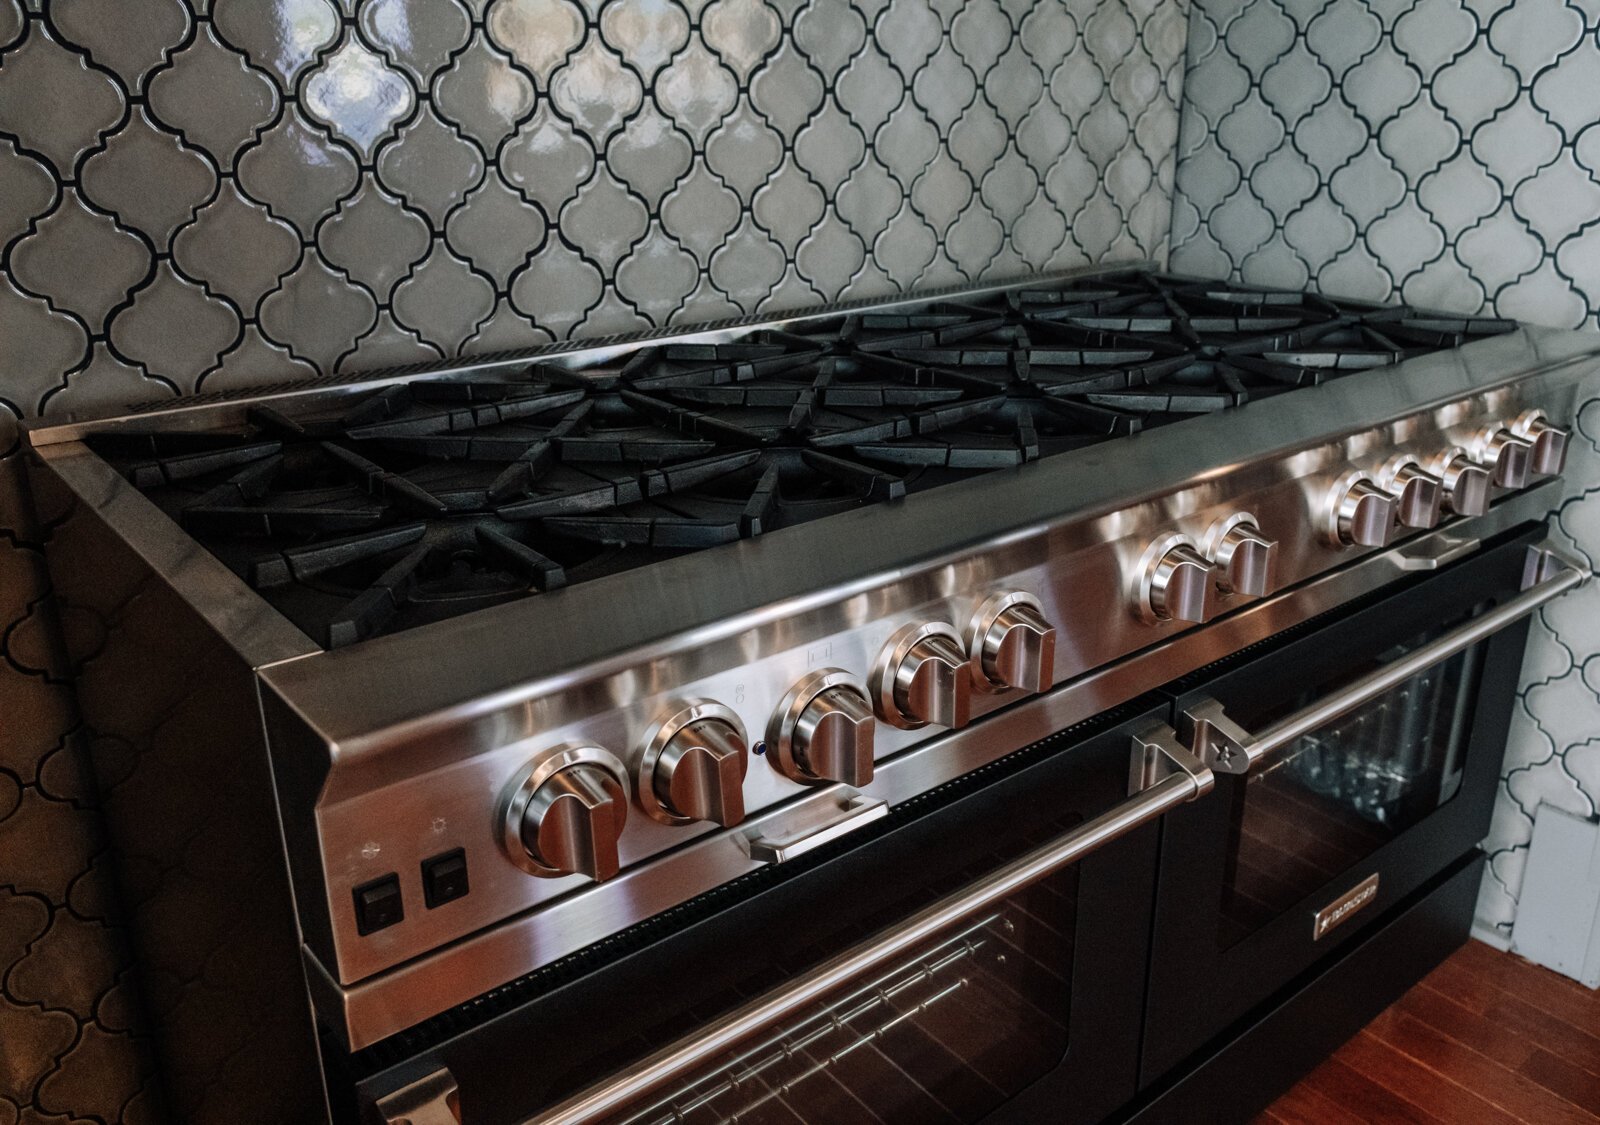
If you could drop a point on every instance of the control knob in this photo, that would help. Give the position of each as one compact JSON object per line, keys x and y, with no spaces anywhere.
{"x":823,"y":731}
{"x":1011,"y":645}
{"x":921,"y":677}
{"x":1176,"y":582}
{"x":566,"y":812}
{"x":1464,"y":483}
{"x":1418,"y":494}
{"x":1507,"y":456}
{"x":1549,"y":442}
{"x":1245,"y":559}
{"x":693,"y":766}
{"x":1360,"y":513}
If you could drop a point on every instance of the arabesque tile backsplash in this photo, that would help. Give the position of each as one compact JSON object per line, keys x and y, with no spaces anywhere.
{"x":200,"y":195}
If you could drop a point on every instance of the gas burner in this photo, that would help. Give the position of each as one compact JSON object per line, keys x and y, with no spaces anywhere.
{"x":438,"y":496}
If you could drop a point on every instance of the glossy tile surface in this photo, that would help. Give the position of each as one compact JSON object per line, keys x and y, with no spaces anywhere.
{"x":310,"y":186}
{"x":1443,"y":152}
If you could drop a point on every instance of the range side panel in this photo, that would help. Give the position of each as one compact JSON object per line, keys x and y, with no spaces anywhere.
{"x":174,"y":724}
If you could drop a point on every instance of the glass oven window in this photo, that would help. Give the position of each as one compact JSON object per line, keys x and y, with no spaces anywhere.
{"x":1346,"y":789}
{"x":945,"y":1035}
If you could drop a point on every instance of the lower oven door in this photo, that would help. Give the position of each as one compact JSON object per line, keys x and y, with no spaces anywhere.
{"x":979,"y":947}
{"x":1351,"y":808}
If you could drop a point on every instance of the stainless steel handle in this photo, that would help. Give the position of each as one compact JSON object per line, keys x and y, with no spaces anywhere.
{"x":1441,"y":550}
{"x":430,"y":1100}
{"x":1168,"y":775}
{"x":857,"y":813}
{"x":1226,"y":747}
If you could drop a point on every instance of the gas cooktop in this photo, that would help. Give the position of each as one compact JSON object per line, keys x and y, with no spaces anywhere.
{"x":436,"y":497}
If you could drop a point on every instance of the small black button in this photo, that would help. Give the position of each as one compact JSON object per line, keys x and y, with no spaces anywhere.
{"x":378,"y":904}
{"x":444,"y":877}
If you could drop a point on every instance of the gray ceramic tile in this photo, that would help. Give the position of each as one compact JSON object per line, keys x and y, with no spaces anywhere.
{"x":374,"y":238}
{"x":596,"y":92}
{"x":647,"y":33}
{"x":357,"y":94}
{"x":483,"y":94}
{"x":432,"y":168}
{"x":539,"y":34}
{"x":298,"y":170}
{"x":696,"y":91}
{"x":496,"y":231}
{"x":37,"y":346}
{"x":143,"y":330}
{"x":657,"y":275}
{"x":282,"y":37}
{"x":148,"y":178}
{"x":417,"y":35}
{"x":741,"y":32}
{"x":444,"y":300}
{"x":212,"y":96}
{"x":53,"y":101}
{"x":237,"y":248}
{"x":27,"y":190}
{"x":81,"y":260}
{"x":317,"y":313}
{"x":130,"y":37}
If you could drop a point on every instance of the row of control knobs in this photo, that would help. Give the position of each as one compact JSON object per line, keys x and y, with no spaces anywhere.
{"x":1409,"y":491}
{"x":566,"y":813}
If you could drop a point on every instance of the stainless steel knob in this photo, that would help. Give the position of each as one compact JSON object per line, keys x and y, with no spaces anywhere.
{"x":921,"y":677}
{"x":1177,"y":582}
{"x":693,"y":766}
{"x":1549,"y":442}
{"x":1465,"y":484}
{"x":1246,"y":560}
{"x":1360,"y":513}
{"x":1418,"y":494}
{"x":823,"y":731}
{"x":566,"y":812}
{"x":1507,"y":457}
{"x":1011,"y":645}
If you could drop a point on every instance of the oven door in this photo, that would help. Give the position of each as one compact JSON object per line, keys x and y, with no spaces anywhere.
{"x":1367,"y":749}
{"x":980,"y":947}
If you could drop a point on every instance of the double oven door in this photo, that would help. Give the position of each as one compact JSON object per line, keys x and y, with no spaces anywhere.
{"x":1284,"y":864}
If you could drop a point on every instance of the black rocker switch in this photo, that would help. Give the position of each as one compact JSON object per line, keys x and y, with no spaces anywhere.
{"x":378,"y":904}
{"x":444,"y":878}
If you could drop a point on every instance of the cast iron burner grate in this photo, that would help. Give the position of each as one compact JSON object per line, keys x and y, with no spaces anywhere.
{"x":436,"y":497}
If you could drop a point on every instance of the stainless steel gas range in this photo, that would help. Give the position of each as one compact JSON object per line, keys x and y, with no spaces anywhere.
{"x":940,"y":710}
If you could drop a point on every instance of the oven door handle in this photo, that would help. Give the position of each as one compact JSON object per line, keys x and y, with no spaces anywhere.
{"x":1226,"y":747}
{"x":1162,"y":776}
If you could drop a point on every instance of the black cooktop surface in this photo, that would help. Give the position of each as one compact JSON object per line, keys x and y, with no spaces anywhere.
{"x":436,"y":497}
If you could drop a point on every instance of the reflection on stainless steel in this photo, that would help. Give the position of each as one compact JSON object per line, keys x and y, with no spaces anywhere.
{"x":1186,"y":780}
{"x":1246,"y":560}
{"x":1549,"y":441}
{"x":1360,"y":514}
{"x":693,"y":766}
{"x":1224,"y":746}
{"x":921,"y":678}
{"x":1176,"y":582}
{"x":1466,"y":485}
{"x":1011,"y":645}
{"x":823,"y":731}
{"x":1508,"y":458}
{"x":566,"y":812}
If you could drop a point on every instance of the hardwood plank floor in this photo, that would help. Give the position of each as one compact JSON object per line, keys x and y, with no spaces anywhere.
{"x":1485,"y":1038}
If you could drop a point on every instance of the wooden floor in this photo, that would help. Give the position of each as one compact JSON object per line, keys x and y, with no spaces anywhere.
{"x":1486,"y":1038}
